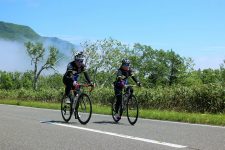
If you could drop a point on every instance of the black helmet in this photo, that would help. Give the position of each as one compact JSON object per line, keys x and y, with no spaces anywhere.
{"x":79,"y":56}
{"x":125,"y":61}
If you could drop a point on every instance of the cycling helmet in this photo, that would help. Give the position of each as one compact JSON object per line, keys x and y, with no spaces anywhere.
{"x":79,"y":56}
{"x":125,"y":61}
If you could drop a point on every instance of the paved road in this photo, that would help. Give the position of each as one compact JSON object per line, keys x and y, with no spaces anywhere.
{"x":24,"y":128}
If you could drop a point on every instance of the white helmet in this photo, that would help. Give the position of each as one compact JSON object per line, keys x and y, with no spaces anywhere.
{"x":125,"y":61}
{"x":79,"y":56}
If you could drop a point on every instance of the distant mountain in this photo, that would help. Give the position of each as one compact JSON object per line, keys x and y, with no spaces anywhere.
{"x":16,"y":32}
{"x":21,"y":33}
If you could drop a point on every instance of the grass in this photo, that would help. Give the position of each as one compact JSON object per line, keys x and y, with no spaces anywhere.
{"x":35,"y":104}
{"x":212,"y":119}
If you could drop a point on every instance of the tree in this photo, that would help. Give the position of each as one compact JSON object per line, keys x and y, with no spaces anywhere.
{"x":36,"y":52}
{"x":159,"y":67}
{"x":103,"y":57}
{"x":210,"y":76}
{"x":6,"y":81}
{"x":222,"y":69}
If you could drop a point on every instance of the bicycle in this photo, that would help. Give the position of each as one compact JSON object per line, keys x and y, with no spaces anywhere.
{"x":129,"y":104}
{"x":78,"y":104}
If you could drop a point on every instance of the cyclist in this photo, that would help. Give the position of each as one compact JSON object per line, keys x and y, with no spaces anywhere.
{"x":123,"y":73}
{"x":71,"y":76}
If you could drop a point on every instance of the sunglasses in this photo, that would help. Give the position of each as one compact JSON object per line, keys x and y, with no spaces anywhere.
{"x":126,"y":65}
{"x":80,"y":60}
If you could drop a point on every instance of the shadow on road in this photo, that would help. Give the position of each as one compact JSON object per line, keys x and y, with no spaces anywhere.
{"x":108,"y":122}
{"x":77,"y":123}
{"x":56,"y":121}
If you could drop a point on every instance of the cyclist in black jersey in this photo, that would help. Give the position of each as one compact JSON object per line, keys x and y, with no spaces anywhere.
{"x":123,"y":73}
{"x":71,"y":76}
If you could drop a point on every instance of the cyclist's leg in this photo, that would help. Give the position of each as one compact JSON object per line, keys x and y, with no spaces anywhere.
{"x":130,"y":91}
{"x":118,"y":94}
{"x":69,"y":84}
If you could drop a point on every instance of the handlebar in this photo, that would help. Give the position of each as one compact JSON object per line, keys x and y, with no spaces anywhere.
{"x":86,"y":85}
{"x":130,"y":85}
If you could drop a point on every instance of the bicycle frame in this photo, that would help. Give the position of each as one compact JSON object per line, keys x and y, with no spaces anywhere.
{"x":75,"y":98}
{"x":125,"y":95}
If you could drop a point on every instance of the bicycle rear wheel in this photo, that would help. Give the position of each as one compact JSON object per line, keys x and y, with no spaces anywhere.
{"x":66,"y":108}
{"x":132,"y":110}
{"x":84,"y":109}
{"x":114,"y":110}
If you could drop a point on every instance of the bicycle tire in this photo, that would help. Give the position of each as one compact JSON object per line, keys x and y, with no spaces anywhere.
{"x":114,"y":112}
{"x":84,"y":108}
{"x":66,"y":109}
{"x":132,"y":110}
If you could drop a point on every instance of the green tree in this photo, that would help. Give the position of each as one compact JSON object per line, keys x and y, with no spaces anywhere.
{"x":51,"y":81}
{"x":36,"y":52}
{"x":222,"y":69}
{"x":26,"y":79}
{"x":6,"y":81}
{"x":159,"y":67}
{"x":210,"y":76}
{"x":103,"y":57}
{"x":178,"y":67}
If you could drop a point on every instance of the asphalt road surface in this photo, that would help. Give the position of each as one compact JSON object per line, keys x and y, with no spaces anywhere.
{"x":25,"y":128}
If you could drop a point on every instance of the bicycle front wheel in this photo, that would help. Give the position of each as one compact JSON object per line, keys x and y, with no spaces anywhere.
{"x":84,"y":109}
{"x":132,"y":110}
{"x":66,"y":108}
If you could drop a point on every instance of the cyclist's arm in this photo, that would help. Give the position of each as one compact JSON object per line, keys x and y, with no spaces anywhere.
{"x":133,"y":77}
{"x":86,"y":74}
{"x":119,"y":75}
{"x":69,"y":71}
{"x":87,"y":77}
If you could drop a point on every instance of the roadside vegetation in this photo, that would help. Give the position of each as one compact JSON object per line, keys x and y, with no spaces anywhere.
{"x":168,"y":115}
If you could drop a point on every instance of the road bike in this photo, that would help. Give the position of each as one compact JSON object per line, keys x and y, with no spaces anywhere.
{"x":129,"y":105}
{"x":79,"y":104}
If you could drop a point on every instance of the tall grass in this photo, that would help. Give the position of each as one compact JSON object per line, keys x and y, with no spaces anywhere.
{"x":208,"y":98}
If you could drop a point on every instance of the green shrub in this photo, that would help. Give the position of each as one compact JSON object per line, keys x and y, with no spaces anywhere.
{"x":199,"y":98}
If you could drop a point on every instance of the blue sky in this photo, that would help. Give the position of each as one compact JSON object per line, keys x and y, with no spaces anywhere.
{"x":192,"y":28}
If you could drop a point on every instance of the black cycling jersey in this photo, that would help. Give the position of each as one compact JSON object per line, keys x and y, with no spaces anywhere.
{"x":73,"y":71}
{"x":124,"y":74}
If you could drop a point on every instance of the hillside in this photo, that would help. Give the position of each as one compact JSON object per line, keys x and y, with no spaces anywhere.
{"x":16,"y":32}
{"x":21,"y":33}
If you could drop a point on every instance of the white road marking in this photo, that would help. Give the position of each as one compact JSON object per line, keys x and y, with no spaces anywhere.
{"x":120,"y":135}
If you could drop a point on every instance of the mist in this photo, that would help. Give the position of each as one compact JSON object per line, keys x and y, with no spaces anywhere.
{"x":13,"y":57}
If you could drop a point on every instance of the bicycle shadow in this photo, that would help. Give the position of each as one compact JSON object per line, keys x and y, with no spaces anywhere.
{"x":108,"y":122}
{"x":77,"y":123}
{"x":57,"y":121}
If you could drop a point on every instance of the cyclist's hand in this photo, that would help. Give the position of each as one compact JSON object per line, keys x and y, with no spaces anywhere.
{"x":75,"y":84}
{"x":139,"y":84}
{"x":92,"y":84}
